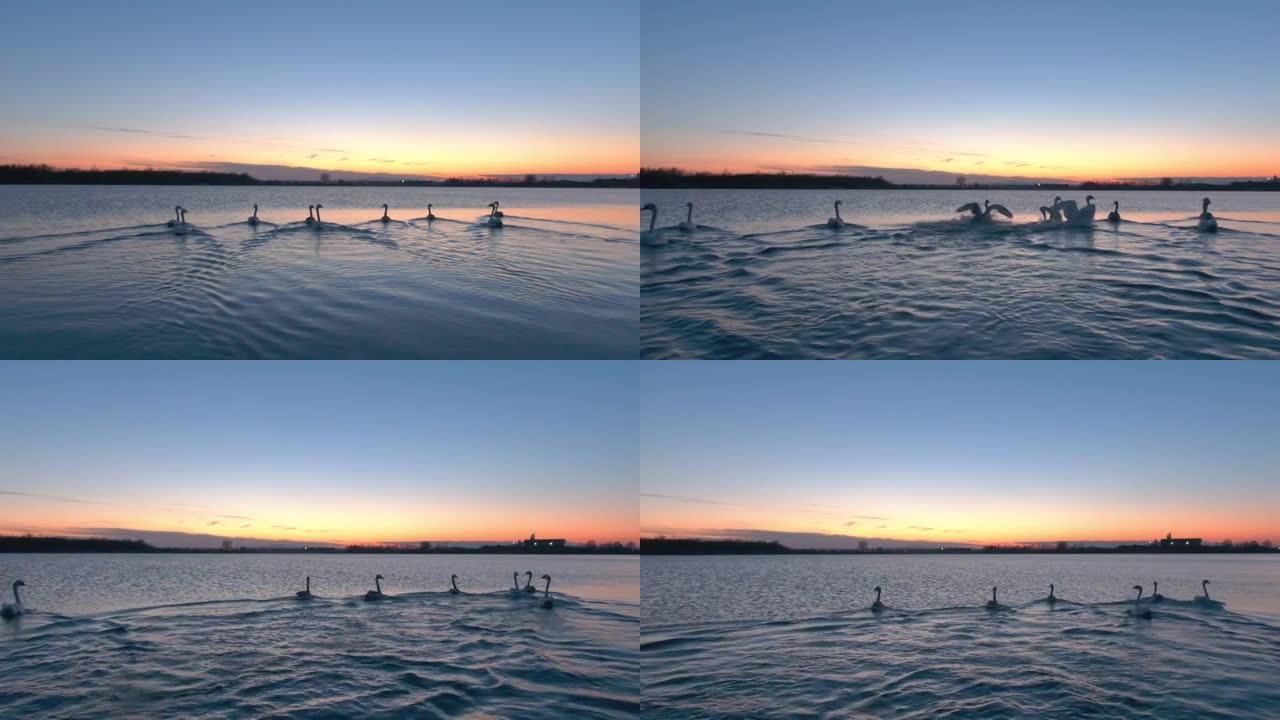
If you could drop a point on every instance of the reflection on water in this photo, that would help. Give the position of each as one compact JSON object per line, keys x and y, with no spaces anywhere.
{"x":763,"y":278}
{"x":777,"y":637}
{"x":95,"y":273}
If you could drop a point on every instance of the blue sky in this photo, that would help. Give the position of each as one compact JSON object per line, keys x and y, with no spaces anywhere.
{"x":321,"y":451}
{"x":963,"y":451}
{"x":1086,"y":89}
{"x":384,"y":86}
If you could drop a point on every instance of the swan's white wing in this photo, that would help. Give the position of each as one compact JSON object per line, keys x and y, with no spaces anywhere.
{"x":1002,"y":210}
{"x":971,"y":207}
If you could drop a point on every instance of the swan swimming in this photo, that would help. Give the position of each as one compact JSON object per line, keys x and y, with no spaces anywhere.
{"x":177,"y":216}
{"x":1052,"y":598}
{"x":495,"y":220}
{"x":1138,"y":610}
{"x":430,"y":216}
{"x":1077,"y":216}
{"x":13,"y":609}
{"x":496,"y":211}
{"x":546,"y":596}
{"x":1155,"y":592}
{"x":652,"y":236}
{"x":384,"y":217}
{"x":1054,"y":214}
{"x":837,"y":221}
{"x":453,"y":580}
{"x":180,"y":227}
{"x":305,"y":594}
{"x":1205,"y":599}
{"x":515,"y":579}
{"x":992,"y":604}
{"x":877,"y":606}
{"x":253,"y":219}
{"x":687,"y":225}
{"x":982,"y":214}
{"x":310,"y":209}
{"x":375,"y":594}
{"x":318,"y":223}
{"x":528,"y":583}
{"x":1114,"y":215}
{"x":1207,"y":222}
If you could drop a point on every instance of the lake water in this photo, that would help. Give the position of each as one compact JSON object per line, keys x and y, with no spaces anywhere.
{"x":216,"y":635}
{"x":760,"y":636}
{"x":764,"y":278}
{"x":93,"y":272}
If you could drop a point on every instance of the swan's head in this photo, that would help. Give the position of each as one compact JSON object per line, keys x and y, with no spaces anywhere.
{"x":1050,"y":588}
{"x":1204,"y":582}
{"x":255,"y":207}
{"x":19,"y":583}
{"x":1057,"y":199}
{"x":546,"y":577}
{"x":1088,"y":198}
{"x":1138,"y":588}
{"x":379,"y":577}
{"x":453,"y":577}
{"x":1117,"y":203}
{"x":839,"y":202}
{"x":493,"y":205}
{"x":651,"y":207}
{"x":311,"y":207}
{"x":876,"y":588}
{"x":318,"y":206}
{"x":689,"y":205}
{"x":1205,"y":202}
{"x":986,"y":203}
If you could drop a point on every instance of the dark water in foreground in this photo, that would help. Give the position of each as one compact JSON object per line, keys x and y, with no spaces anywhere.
{"x":93,"y":272}
{"x":795,"y":638}
{"x":762,"y":277}
{"x":251,"y":650}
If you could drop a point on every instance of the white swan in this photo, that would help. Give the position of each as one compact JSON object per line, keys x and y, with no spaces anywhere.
{"x":1114,"y":215}
{"x":1155,"y":592}
{"x":653,"y":217}
{"x":495,"y":220}
{"x":1207,"y":223}
{"x":992,"y":604}
{"x":837,"y":221}
{"x":430,"y":216}
{"x":305,"y":594}
{"x":496,"y":211}
{"x":687,"y":224}
{"x":515,"y":579}
{"x":318,"y":222}
{"x":182,"y":226}
{"x":652,"y":236}
{"x":1077,"y":216}
{"x":253,"y":219}
{"x":375,"y":594}
{"x":310,"y":209}
{"x":982,"y":213}
{"x":384,"y":217}
{"x":877,"y":606}
{"x":546,"y":596}
{"x":1044,"y":214}
{"x":453,"y":580}
{"x":1205,"y":599}
{"x":1138,"y":610}
{"x":177,"y":216}
{"x":1054,"y":214}
{"x":15,"y":608}
{"x":528,"y":583}
{"x":1052,"y":598}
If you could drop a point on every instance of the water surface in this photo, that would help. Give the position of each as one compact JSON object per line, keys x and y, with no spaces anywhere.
{"x":760,"y":636}
{"x":762,"y":277}
{"x":93,"y":272}
{"x":221,"y":636}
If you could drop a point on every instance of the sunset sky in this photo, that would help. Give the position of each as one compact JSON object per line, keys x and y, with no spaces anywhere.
{"x":394,"y":86}
{"x":1008,"y":88}
{"x":963,"y":452}
{"x":331,"y":452}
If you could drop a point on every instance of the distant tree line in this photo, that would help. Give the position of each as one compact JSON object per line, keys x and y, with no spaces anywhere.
{"x":33,"y":544}
{"x":695,"y":546}
{"x":46,"y":175}
{"x":658,"y":178}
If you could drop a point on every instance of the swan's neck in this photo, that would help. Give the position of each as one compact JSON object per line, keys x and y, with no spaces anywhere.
{"x":838,"y":212}
{"x":18,"y":600}
{"x":1203,"y":586}
{"x":308,"y":584}
{"x":877,"y":594}
{"x":547,"y":591}
{"x":378,"y":584}
{"x":689,"y":217}
{"x":653,"y":218}
{"x":454,"y":583}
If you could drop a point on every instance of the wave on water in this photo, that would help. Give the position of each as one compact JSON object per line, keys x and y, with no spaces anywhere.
{"x":955,"y":289}
{"x":413,"y":655}
{"x":1061,"y":660}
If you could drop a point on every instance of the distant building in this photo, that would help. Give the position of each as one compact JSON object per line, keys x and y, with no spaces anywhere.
{"x":533,"y":543}
{"x":1169,"y":541}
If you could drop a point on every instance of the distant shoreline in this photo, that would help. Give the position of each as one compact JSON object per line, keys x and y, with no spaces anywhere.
{"x":693,"y":546}
{"x":33,"y":544}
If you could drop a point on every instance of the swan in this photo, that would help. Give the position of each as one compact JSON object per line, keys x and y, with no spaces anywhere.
{"x":1207,"y":222}
{"x":318,"y":222}
{"x":653,"y":219}
{"x":177,"y":217}
{"x":1205,"y":599}
{"x":13,"y":609}
{"x":992,"y":604}
{"x":983,"y":213}
{"x":528,"y":583}
{"x":1052,"y":598}
{"x":305,"y":594}
{"x":1155,"y":592}
{"x":687,"y":225}
{"x":515,"y":579}
{"x":877,"y":606}
{"x":453,"y":580}
{"x":310,"y":209}
{"x":1138,"y":610}
{"x":1054,"y":214}
{"x":837,"y":221}
{"x":652,"y":236}
{"x":495,"y":220}
{"x":253,"y":219}
{"x":384,"y":217}
{"x":546,"y":596}
{"x":496,"y":211}
{"x":430,"y":215}
{"x":181,"y":227}
{"x":375,"y":594}
{"x":1114,"y":215}
{"x":1044,"y":214}
{"x":1077,"y":216}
